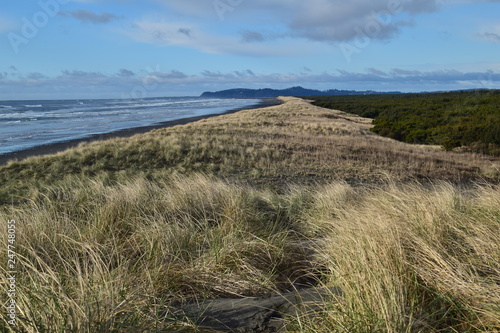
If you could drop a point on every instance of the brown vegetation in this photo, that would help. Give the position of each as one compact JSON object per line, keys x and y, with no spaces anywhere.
{"x":113,"y":235}
{"x":290,"y":143}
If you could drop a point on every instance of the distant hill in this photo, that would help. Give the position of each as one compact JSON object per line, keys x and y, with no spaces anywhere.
{"x":293,"y":91}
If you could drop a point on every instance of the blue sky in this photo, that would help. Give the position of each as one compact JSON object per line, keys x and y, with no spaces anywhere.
{"x":56,"y":49}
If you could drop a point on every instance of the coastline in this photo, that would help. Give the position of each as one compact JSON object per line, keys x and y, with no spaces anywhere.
{"x":56,"y":147}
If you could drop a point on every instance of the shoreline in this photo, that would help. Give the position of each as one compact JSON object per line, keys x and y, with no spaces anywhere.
{"x":56,"y":147}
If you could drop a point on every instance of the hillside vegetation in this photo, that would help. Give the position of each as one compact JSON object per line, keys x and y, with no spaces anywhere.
{"x":295,"y":142}
{"x":114,"y":236}
{"x":292,"y":91}
{"x":455,"y":119}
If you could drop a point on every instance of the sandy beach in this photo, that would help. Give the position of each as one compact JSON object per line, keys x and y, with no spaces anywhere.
{"x":60,"y":146}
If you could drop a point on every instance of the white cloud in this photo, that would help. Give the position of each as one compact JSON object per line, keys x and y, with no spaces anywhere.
{"x":165,"y":32}
{"x":318,"y":20}
{"x":285,"y":24}
{"x":324,"y":20}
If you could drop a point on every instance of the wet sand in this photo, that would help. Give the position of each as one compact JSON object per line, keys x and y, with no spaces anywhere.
{"x":61,"y":146}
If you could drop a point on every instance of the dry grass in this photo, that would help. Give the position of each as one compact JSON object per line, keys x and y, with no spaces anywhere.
{"x":290,"y":143}
{"x":93,"y":258}
{"x":111,"y":235}
{"x":410,"y":258}
{"x":407,"y":258}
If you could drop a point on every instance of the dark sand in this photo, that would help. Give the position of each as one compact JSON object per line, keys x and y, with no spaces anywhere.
{"x":61,"y":146}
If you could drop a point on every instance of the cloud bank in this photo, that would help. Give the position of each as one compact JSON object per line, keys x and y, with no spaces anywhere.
{"x":129,"y":84}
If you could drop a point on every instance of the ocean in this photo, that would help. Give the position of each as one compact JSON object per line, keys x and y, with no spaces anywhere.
{"x":29,"y":124}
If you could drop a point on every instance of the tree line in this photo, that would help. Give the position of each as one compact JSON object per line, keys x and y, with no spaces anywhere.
{"x":468,"y":119}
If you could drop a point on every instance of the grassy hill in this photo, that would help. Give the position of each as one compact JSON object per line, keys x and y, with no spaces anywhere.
{"x":291,"y":143}
{"x":112,"y":236}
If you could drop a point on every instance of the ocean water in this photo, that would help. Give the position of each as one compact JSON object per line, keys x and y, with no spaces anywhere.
{"x":28,"y":124}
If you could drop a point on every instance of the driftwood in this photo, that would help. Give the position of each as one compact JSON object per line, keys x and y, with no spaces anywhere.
{"x":255,"y":314}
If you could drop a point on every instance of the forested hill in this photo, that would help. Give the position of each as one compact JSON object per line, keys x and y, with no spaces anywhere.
{"x":293,"y":91}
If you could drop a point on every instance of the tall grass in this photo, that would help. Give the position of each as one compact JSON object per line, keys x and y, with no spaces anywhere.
{"x":408,"y":258}
{"x":96,"y":258}
{"x":112,"y":236}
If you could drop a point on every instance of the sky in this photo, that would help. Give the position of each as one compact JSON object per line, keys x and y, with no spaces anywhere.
{"x":80,"y":49}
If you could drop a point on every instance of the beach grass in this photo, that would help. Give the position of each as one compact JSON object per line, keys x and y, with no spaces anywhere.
{"x":410,"y":258}
{"x":112,"y":236}
{"x":407,"y":258}
{"x":295,"y":142}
